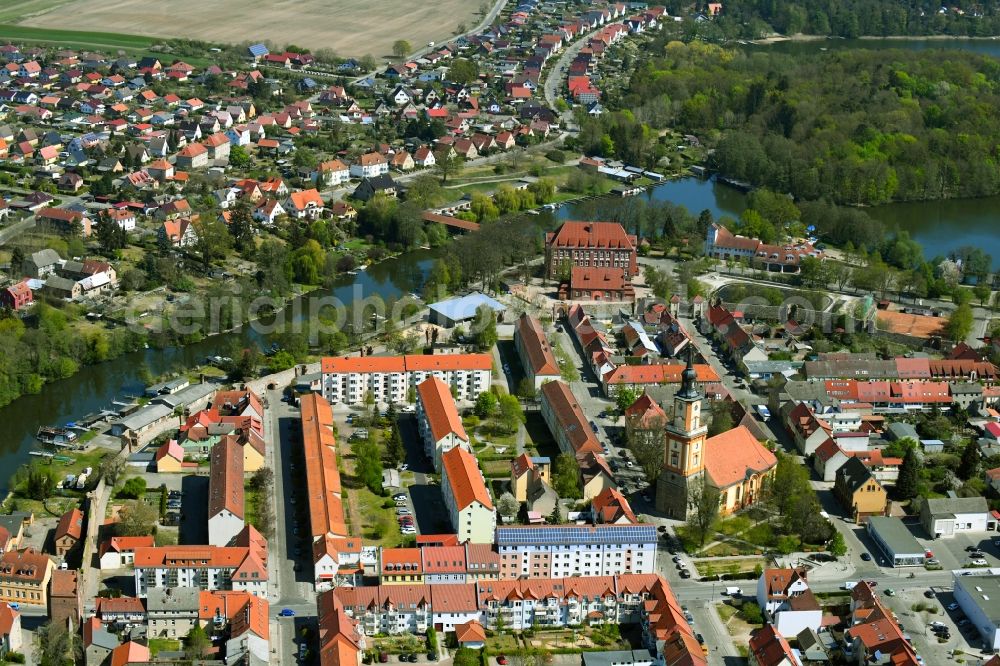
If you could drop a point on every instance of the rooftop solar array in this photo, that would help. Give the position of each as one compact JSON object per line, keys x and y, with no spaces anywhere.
{"x":575,"y":534}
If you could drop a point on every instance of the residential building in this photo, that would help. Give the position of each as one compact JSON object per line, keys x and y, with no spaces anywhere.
{"x":557,"y":551}
{"x":979,"y":598}
{"x":340,"y":640}
{"x":172,"y":612}
{"x":120,"y":610}
{"x":98,"y":642}
{"x":768,"y":647}
{"x":337,"y":561}
{"x":894,"y":540}
{"x":326,"y":506}
{"x":733,"y":462}
{"x":226,"y":510}
{"x":947,"y":516}
{"x":370,"y":165}
{"x":169,"y":458}
{"x":16,"y":296}
{"x":531,"y":482}
{"x":68,"y":532}
{"x":24,"y":577}
{"x":438,"y":420}
{"x":238,"y":568}
{"x":177,"y":233}
{"x":130,"y":652}
{"x":859,"y":492}
{"x":331,"y":173}
{"x":472,"y":635}
{"x":590,"y":244}
{"x":249,"y":633}
{"x":723,"y":244}
{"x":535,"y":352}
{"x":41,"y":264}
{"x":619,"y":658}
{"x":874,"y":634}
{"x":305,"y":205}
{"x":192,"y":156}
{"x":348,"y":380}
{"x":612,"y":508}
{"x":566,"y":420}
{"x":401,"y":566}
{"x":466,"y":497}
{"x":787,"y":602}
{"x":10,"y":631}
{"x":65,"y":602}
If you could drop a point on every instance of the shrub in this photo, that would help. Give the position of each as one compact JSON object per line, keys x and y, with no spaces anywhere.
{"x":751,"y":613}
{"x":557,"y":156}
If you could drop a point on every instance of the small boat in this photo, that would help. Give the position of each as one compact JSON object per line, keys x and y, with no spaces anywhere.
{"x":56,"y":436}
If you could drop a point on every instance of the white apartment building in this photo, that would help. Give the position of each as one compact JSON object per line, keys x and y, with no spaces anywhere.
{"x":557,"y":551}
{"x":348,"y":380}
{"x":202,"y":567}
{"x":438,"y":420}
{"x":466,"y":497}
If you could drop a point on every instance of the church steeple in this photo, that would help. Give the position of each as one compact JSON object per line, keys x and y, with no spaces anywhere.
{"x":689,"y":377}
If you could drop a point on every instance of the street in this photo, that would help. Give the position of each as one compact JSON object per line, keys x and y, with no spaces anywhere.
{"x":288,"y":588}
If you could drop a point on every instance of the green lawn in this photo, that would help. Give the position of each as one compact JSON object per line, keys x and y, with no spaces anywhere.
{"x":71,"y":38}
{"x":157,"y":645}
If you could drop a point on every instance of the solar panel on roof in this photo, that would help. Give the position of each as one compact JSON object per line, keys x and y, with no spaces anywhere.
{"x":576,"y":535}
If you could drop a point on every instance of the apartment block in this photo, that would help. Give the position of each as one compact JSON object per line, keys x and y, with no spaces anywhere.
{"x":348,"y":380}
{"x":438,"y":420}
{"x":466,"y":497}
{"x":557,"y":551}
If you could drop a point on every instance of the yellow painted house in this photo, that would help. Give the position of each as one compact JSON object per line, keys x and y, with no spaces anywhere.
{"x":170,"y":457}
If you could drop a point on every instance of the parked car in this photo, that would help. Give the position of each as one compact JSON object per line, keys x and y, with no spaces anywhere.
{"x":502,"y":660}
{"x":929,"y":594}
{"x":287,"y":612}
{"x":402,"y":511}
{"x":866,"y":557}
{"x":685,"y":573}
{"x":953,"y":606}
{"x":399,"y":497}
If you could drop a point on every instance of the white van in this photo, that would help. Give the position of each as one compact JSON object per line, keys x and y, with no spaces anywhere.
{"x":849,"y":585}
{"x":733,"y":592}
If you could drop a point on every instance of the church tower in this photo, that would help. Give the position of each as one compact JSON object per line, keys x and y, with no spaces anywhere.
{"x":684,"y":450}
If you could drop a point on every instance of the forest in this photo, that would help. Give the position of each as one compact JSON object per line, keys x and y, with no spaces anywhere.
{"x":751,"y":19}
{"x":858,"y":127}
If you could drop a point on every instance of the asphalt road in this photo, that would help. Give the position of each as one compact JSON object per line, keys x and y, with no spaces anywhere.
{"x":288,"y":588}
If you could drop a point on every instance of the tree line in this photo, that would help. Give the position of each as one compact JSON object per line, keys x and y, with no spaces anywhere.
{"x":853,"y":127}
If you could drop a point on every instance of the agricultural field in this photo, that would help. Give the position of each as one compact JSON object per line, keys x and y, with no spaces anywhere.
{"x":349,"y":27}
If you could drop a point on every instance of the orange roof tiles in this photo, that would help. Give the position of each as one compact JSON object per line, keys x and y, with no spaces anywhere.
{"x":603,"y":235}
{"x":536,"y":347}
{"x":225,"y":483}
{"x":326,"y":508}
{"x":731,"y":455}
{"x":570,"y":417}
{"x":439,"y":409}
{"x":659,"y":373}
{"x":465,"y":479}
{"x":409,"y":363}
{"x":70,"y":524}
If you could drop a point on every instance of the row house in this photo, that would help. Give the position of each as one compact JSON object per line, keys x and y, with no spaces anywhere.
{"x":239,"y":568}
{"x":388,"y":379}
{"x":466,"y":497}
{"x":323,"y":485}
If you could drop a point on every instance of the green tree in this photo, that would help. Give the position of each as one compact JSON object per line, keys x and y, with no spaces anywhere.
{"x":909,"y":473}
{"x":196,"y":643}
{"x":971,"y":460}
{"x":138,"y":519}
{"x":507,"y":506}
{"x":16,"y":262}
{"x":401,"y":48}
{"x":134,"y":488}
{"x":624,"y":397}
{"x":39,"y":483}
{"x":110,"y":235}
{"x":982,"y":293}
{"x":838,"y":547}
{"x":242,"y":229}
{"x":463,"y":71}
{"x":960,"y":323}
{"x":448,"y":164}
{"x":566,"y":477}
{"x":56,"y":646}
{"x":239,"y":157}
{"x":395,"y":451}
{"x":510,"y":416}
{"x":703,"y":501}
{"x":213,"y":238}
{"x":647,"y":442}
{"x":485,"y":327}
{"x":486,"y":404}
{"x":722,"y":418}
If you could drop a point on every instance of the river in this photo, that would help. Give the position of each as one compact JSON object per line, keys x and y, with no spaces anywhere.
{"x":94,"y":387}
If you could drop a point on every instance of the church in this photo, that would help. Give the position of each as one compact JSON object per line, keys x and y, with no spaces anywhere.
{"x":733,"y":462}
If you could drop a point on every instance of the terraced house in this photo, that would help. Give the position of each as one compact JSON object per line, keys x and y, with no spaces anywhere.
{"x":24,"y":577}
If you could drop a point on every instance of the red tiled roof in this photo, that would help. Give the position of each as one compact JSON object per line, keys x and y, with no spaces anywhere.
{"x":439,"y":408}
{"x":597,"y":235}
{"x":731,"y":456}
{"x":225,"y":483}
{"x":536,"y":346}
{"x":465,"y":479}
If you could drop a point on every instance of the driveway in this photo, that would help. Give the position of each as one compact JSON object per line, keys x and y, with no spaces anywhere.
{"x":194,"y":510}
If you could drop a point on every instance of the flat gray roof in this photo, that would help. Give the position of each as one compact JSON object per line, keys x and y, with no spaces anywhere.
{"x":894,"y":534}
{"x":985,"y":591}
{"x":143,"y":417}
{"x":616,"y":657}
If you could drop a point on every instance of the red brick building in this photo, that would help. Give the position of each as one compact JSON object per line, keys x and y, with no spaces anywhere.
{"x":597,"y":284}
{"x":590,"y":245}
